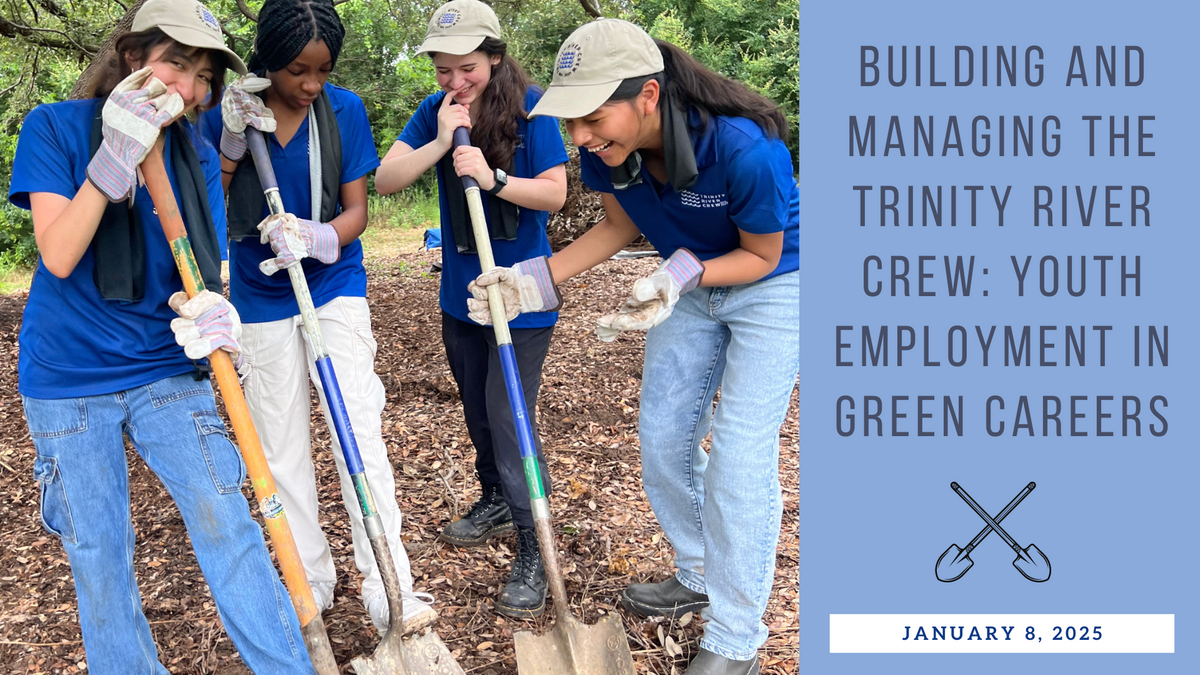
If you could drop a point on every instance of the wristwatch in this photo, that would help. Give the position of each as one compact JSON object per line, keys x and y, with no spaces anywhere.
{"x":501,"y":181}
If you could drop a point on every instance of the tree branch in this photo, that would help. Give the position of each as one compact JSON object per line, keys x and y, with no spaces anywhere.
{"x":245,"y":9}
{"x":37,"y":36}
{"x":592,"y":10}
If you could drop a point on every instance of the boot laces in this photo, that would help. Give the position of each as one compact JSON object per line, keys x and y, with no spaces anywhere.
{"x":525,"y":565}
{"x":485,"y":502}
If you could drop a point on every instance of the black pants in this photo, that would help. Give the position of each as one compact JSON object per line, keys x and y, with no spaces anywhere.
{"x":475,"y":363}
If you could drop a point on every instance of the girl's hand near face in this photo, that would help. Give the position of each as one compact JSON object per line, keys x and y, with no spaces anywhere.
{"x":469,"y":161}
{"x":451,"y":117}
{"x":133,"y":115}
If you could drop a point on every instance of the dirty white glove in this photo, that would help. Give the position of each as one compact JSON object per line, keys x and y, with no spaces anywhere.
{"x":525,"y":287}
{"x":136,"y":110}
{"x":654,"y":296}
{"x":208,"y":323}
{"x":293,"y":239}
{"x":240,"y":108}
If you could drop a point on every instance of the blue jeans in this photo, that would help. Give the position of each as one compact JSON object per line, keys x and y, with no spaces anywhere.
{"x":84,"y":480}
{"x":721,"y":510}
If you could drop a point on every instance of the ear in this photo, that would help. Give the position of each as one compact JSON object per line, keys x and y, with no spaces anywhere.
{"x":495,"y":59}
{"x":648,"y":99}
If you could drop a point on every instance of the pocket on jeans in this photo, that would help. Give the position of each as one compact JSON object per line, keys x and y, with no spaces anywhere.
{"x":55,"y":509}
{"x":55,"y":418}
{"x":222,"y":458}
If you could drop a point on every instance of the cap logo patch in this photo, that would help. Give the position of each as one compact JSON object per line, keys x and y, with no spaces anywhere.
{"x":449,"y":19}
{"x":208,"y":19}
{"x":569,"y":59}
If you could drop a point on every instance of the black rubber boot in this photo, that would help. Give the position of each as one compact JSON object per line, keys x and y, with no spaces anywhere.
{"x":524,"y":597}
{"x":708,"y":663}
{"x":487,"y":518}
{"x":666,"y":598}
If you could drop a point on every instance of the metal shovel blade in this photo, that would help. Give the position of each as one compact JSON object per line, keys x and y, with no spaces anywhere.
{"x":1032,"y":563}
{"x":424,"y":655}
{"x":575,"y":648}
{"x":953,"y":564}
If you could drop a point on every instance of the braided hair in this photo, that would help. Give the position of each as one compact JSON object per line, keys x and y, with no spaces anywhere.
{"x":286,"y":26}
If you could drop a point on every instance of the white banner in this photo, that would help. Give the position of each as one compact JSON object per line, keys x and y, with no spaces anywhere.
{"x":1002,"y":633}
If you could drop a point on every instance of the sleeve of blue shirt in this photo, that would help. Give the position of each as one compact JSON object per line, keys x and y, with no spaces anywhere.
{"x":757,"y":186}
{"x":595,"y":173}
{"x":544,"y":140}
{"x":359,"y":156}
{"x":216,"y":194}
{"x":422,"y":126}
{"x":41,"y":163}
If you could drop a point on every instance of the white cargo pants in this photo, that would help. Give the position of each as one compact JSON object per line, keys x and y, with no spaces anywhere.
{"x":281,"y":365}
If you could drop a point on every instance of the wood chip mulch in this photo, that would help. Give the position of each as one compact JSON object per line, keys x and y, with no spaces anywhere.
{"x":607,"y":534}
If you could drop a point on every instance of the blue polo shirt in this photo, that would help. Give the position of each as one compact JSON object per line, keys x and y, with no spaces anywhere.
{"x":540,"y":148}
{"x":74,"y":342}
{"x":260,"y":298}
{"x":745,"y":182}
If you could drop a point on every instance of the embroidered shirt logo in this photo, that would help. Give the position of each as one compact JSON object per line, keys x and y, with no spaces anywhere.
{"x":697,"y":200}
{"x":208,"y":19}
{"x":569,"y":59}
{"x":449,"y":19}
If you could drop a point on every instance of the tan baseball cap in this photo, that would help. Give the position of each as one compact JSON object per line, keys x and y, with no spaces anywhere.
{"x":593,"y":62}
{"x":459,"y":27}
{"x":186,"y":22}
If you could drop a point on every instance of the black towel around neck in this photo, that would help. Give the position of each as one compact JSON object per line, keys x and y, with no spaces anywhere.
{"x":246,"y":199}
{"x":503,"y":217}
{"x":119,"y":244}
{"x":678,"y":153}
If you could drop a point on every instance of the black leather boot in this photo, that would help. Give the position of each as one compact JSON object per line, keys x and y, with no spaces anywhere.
{"x":487,"y":518}
{"x":666,"y":598}
{"x":524,"y":597}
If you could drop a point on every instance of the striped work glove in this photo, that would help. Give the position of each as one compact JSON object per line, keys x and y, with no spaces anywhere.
{"x":293,"y":238}
{"x":240,"y":108}
{"x":136,"y":110}
{"x":525,"y":287}
{"x":207,"y":323}
{"x":654,"y":296}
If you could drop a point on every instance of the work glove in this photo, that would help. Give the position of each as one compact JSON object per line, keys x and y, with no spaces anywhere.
{"x":653,"y":296}
{"x":526,"y":287}
{"x":136,"y":110}
{"x":295,"y":238}
{"x":240,"y":108}
{"x":208,"y":323}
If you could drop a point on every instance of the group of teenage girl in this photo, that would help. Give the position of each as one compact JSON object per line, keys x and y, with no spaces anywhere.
{"x":111,"y":349}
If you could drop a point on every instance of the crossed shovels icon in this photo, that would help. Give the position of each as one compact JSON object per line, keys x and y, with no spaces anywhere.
{"x":1030,"y":562}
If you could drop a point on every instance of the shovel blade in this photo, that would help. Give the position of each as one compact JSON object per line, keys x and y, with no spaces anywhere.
{"x":953,"y":564}
{"x":574,"y":648}
{"x":419,"y":655}
{"x":1033,"y":564}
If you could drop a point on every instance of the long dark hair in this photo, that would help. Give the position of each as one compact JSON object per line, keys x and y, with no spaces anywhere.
{"x":502,"y":103}
{"x":137,"y":47}
{"x":286,"y":26}
{"x":695,"y":87}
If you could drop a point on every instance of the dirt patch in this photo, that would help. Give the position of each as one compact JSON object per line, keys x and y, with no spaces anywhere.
{"x":606,"y":531}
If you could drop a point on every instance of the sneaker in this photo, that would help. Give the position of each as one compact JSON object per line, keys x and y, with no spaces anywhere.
{"x":487,"y":518}
{"x":708,"y":663}
{"x":666,"y":598}
{"x":418,"y":612}
{"x":524,"y":597}
{"x":322,"y":594}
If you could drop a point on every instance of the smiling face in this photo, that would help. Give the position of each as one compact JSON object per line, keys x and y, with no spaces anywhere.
{"x":464,"y":77}
{"x":185,"y":70}
{"x":616,"y":129}
{"x":299,"y":83}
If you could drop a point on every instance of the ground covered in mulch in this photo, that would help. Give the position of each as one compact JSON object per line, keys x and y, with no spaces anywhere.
{"x":607,"y":534}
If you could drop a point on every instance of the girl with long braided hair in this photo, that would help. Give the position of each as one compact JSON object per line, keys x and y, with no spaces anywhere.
{"x":321,"y":151}
{"x":521,"y":164}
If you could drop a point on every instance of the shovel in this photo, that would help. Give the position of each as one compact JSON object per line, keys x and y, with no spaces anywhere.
{"x":311,"y":627}
{"x":952,"y":568}
{"x":571,"y":647}
{"x":1030,"y":562}
{"x":394,"y":655}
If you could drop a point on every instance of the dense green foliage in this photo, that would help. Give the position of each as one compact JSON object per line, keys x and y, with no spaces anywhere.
{"x":45,"y":44}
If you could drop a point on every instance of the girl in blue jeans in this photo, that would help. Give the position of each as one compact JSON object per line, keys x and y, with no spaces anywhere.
{"x":698,"y":164}
{"x":99,"y":361}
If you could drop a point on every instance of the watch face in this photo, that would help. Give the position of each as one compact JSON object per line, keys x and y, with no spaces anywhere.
{"x":501,"y":176}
